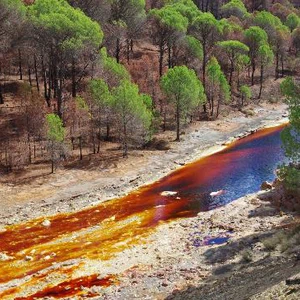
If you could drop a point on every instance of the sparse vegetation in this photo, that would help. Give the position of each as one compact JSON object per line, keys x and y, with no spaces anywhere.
{"x":62,"y":56}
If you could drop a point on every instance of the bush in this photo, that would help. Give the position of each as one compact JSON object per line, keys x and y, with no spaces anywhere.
{"x":247,"y":256}
{"x":158,"y":144}
{"x":248,"y":112}
{"x":290,"y":175}
{"x":273,"y":242}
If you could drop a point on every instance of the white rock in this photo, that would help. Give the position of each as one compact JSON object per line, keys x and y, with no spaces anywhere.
{"x":28,"y":258}
{"x":4,"y":257}
{"x":217,"y":193}
{"x":168,"y":193}
{"x":46,"y":223}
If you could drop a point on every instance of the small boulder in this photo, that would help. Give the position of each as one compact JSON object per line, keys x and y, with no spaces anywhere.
{"x":4,"y":257}
{"x":46,"y":223}
{"x":266,"y":186}
{"x":28,"y":258}
{"x":168,"y":193}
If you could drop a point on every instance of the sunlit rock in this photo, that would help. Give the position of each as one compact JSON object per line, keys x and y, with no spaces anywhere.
{"x":168,"y":193}
{"x":46,"y":223}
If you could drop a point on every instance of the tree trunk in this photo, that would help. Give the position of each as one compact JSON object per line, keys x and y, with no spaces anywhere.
{"x":128,"y":50}
{"x":20,"y":64}
{"x":29,"y":76}
{"x":161,"y":58}
{"x":212,"y":100}
{"x":107,"y":130}
{"x":28,"y":135}
{"x":58,"y":87}
{"x":118,"y":50}
{"x":277,"y":65}
{"x":178,"y":123}
{"x":204,"y":73}
{"x":52,"y":157}
{"x":261,"y":80}
{"x":80,"y":147}
{"x":36,"y":74}
{"x":165,"y":120}
{"x":73,"y":78}
{"x":253,"y":71}
{"x":1,"y":95}
{"x":99,"y":131}
{"x":231,"y":72}
{"x":49,"y":81}
{"x":169,"y":57}
{"x":282,"y":68}
{"x":131,"y":45}
{"x":45,"y":82}
{"x":125,"y":146}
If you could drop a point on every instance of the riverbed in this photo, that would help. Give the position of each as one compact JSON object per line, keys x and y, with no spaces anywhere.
{"x":141,"y":260}
{"x":104,"y":233}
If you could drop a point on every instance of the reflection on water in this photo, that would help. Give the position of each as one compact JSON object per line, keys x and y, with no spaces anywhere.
{"x":238,"y":170}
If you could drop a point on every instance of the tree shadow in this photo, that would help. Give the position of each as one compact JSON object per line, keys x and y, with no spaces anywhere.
{"x":240,"y":278}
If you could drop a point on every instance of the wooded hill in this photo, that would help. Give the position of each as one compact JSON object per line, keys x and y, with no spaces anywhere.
{"x":76,"y":73}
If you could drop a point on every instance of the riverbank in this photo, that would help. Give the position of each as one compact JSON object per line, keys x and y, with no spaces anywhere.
{"x":171,"y":261}
{"x":74,"y":189}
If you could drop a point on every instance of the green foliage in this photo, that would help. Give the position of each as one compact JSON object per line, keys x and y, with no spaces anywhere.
{"x":292,"y":21}
{"x":130,"y":105}
{"x":242,"y":61}
{"x":266,"y":20}
{"x":186,"y":8}
{"x":265,"y":54}
{"x":69,"y":27}
{"x":183,"y":88}
{"x":13,"y":4}
{"x":147,"y":100}
{"x":245,"y":92}
{"x":205,"y":26}
{"x":255,"y":37}
{"x":218,"y":79}
{"x":292,"y":93}
{"x":234,"y":8}
{"x":56,"y":131}
{"x":100,"y":92}
{"x":169,"y":17}
{"x":291,"y":135}
{"x":233,"y":47}
{"x":227,"y":27}
{"x":112,"y":68}
{"x":81,"y":104}
{"x":194,"y":46}
{"x":290,"y":175}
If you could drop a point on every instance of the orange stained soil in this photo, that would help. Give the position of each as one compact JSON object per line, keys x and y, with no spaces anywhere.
{"x":102,"y":231}
{"x":73,"y":287}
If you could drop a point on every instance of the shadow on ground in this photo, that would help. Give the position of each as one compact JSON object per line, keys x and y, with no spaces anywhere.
{"x":240,"y":279}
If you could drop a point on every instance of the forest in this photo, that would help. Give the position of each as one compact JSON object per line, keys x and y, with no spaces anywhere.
{"x":77,"y":74}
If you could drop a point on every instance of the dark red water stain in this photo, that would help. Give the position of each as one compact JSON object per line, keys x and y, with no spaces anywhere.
{"x":73,"y":287}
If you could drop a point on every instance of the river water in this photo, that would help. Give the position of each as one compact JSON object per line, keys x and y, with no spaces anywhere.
{"x":236,"y":171}
{"x":102,"y":231}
